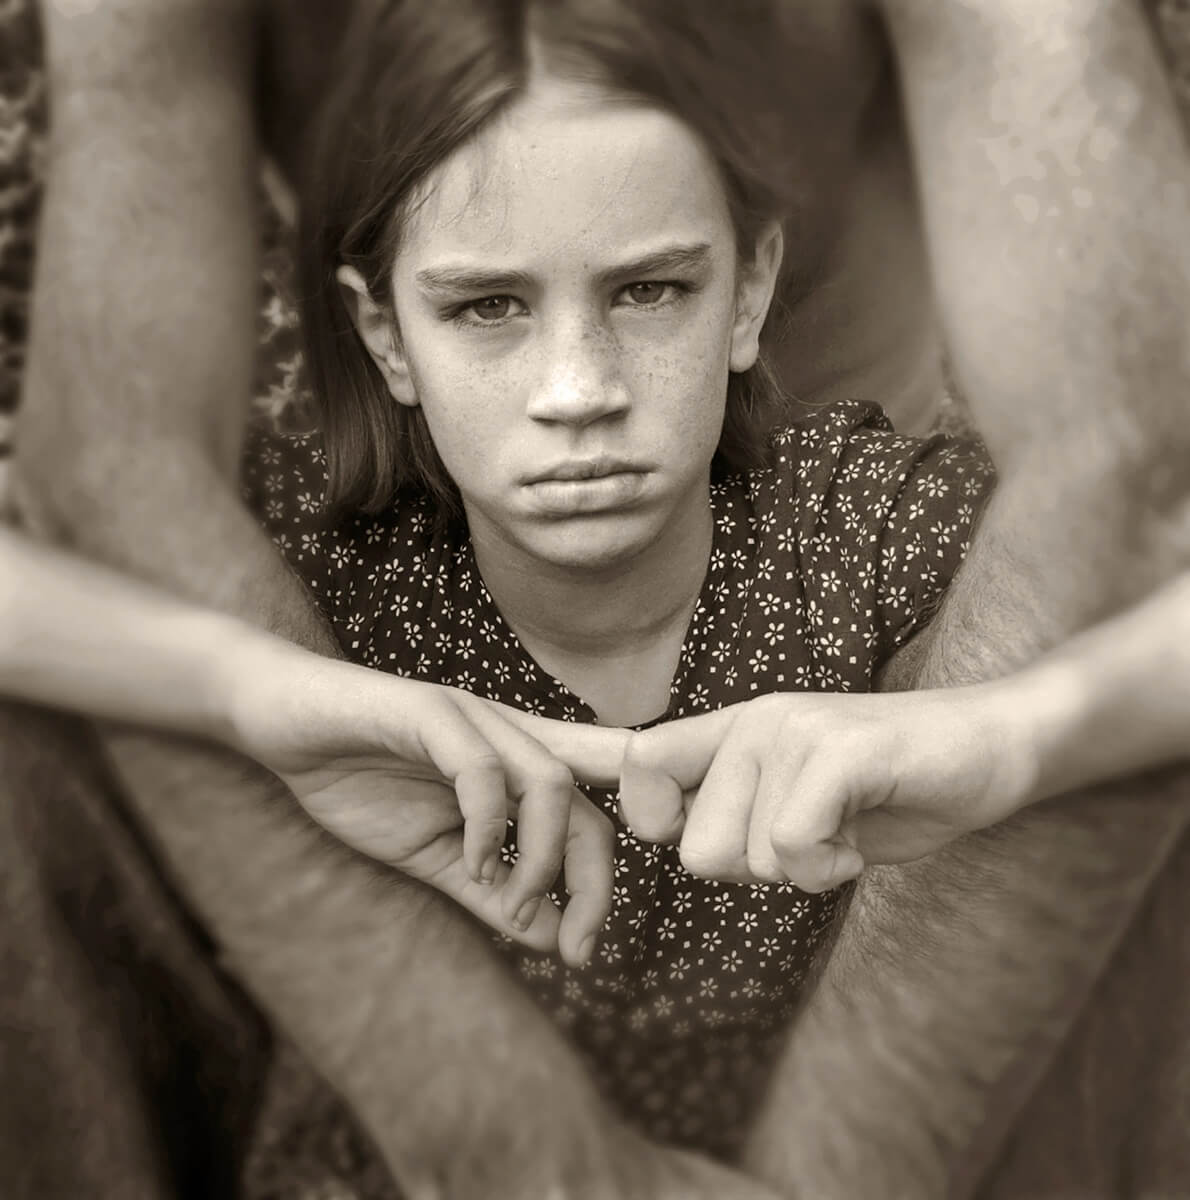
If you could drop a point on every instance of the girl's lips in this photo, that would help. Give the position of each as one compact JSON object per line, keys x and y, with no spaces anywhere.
{"x":590,"y":494}
{"x":586,"y":468}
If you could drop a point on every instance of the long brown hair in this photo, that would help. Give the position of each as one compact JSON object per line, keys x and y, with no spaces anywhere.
{"x":414,"y":80}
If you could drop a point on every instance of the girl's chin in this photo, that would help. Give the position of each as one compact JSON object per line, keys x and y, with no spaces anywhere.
{"x":591,"y":544}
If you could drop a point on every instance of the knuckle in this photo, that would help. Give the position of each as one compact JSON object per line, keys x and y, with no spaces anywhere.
{"x":697,"y":861}
{"x":605,"y":830}
{"x":809,"y":878}
{"x":485,"y":762}
{"x":491,"y":825}
{"x":641,"y":823}
{"x":589,"y":824}
{"x":785,"y":840}
{"x":555,"y":776}
{"x":764,"y":867}
{"x":639,"y":750}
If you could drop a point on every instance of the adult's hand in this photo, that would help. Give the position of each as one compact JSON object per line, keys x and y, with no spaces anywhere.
{"x":425,"y":778}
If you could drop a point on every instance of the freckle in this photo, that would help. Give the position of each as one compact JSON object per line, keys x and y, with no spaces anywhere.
{"x":1027,"y":206}
{"x":1082,"y":198}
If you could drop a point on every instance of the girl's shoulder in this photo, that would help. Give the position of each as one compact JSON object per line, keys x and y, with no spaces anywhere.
{"x":284,"y":483}
{"x":848,"y":451}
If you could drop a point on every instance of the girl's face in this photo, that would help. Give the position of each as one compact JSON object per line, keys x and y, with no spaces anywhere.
{"x":570,"y":302}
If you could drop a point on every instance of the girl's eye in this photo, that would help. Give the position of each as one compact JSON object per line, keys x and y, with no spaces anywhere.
{"x":650,"y":292}
{"x":491,"y":308}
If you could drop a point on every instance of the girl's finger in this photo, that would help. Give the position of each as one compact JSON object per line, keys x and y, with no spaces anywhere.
{"x":590,"y":853}
{"x":483,"y":802}
{"x":557,"y":826}
{"x":777,"y":785}
{"x":805,"y":830}
{"x":543,"y":825}
{"x":474,"y":768}
{"x":823,"y":866}
{"x":592,"y":752}
{"x":715,"y":843}
{"x":440,"y":865}
{"x":543,"y":789}
{"x":651,"y":803}
{"x":683,"y":750}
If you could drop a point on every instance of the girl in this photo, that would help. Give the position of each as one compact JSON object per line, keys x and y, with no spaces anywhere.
{"x":540,"y":242}
{"x":892,"y":777}
{"x":779,"y":576}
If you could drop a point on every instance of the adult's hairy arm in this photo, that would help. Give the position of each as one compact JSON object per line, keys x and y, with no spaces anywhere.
{"x":140,"y":368}
{"x":1055,"y":187}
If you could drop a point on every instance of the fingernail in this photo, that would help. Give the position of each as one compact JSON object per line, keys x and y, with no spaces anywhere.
{"x":487,"y":873}
{"x":528,"y":911}
{"x":586,"y":949}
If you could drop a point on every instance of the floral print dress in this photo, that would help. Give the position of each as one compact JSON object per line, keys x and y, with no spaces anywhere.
{"x":821,"y":566}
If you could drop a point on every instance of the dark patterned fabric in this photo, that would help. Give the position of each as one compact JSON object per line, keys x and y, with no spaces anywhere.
{"x":307,"y":1148}
{"x":820,"y":567}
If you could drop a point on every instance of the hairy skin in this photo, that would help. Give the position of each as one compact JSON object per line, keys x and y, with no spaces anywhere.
{"x":954,"y":980}
{"x":138,"y":377}
{"x":139,"y":372}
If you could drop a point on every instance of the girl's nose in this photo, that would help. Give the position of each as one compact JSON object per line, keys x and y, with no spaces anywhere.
{"x":581,"y":382}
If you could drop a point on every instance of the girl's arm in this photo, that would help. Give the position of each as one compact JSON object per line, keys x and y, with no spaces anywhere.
{"x":1111,"y":701}
{"x":415,"y":776}
{"x":834,"y":782}
{"x":78,"y":636}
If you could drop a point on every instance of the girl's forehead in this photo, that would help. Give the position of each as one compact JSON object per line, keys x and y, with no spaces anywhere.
{"x":565,"y":169}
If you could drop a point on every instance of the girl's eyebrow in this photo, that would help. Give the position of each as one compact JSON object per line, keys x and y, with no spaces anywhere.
{"x":470,"y":279}
{"x":684,"y":257}
{"x":693,"y":256}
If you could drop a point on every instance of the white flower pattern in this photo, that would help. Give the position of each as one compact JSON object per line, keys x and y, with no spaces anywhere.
{"x":681,"y":1011}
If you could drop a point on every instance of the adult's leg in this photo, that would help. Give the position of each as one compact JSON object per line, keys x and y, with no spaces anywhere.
{"x":131,"y":1065}
{"x":1111,"y":1119}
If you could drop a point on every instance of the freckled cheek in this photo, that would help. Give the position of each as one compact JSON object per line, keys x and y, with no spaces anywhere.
{"x":692,"y":360}
{"x":447,"y":378}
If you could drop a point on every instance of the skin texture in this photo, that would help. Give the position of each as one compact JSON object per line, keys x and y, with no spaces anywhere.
{"x":821,"y":784}
{"x":311,"y":931}
{"x":560,"y":350}
{"x":924,"y":1113}
{"x":414,"y":776}
{"x":133,"y":352}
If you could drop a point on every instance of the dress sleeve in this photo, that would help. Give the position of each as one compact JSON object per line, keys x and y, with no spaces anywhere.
{"x":884,"y":521}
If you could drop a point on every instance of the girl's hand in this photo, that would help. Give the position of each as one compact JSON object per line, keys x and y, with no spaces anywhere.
{"x":424,"y":778}
{"x":810,"y":788}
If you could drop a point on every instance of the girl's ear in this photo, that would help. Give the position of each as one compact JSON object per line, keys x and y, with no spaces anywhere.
{"x":754,"y":294}
{"x":379,"y":335}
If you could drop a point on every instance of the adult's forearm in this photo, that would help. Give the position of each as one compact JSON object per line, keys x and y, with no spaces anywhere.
{"x":395,"y":1000}
{"x":1055,"y":183}
{"x":954,"y":979}
{"x":1060,"y":254}
{"x":140,"y":368}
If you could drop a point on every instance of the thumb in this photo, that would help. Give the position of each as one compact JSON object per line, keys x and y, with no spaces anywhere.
{"x":662,"y":766}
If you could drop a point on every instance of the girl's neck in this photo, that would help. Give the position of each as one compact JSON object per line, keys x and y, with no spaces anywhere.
{"x":612,"y":637}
